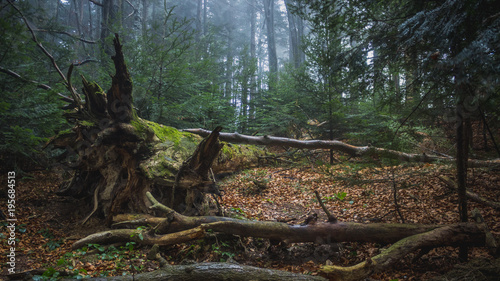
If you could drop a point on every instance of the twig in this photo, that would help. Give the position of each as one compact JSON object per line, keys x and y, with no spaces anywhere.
{"x":489,"y":131}
{"x":96,"y":204}
{"x":37,"y":84}
{"x":331,"y":218}
{"x":68,"y":34}
{"x":395,"y":196}
{"x":97,"y":3}
{"x":82,"y":62}
{"x":452,"y":185}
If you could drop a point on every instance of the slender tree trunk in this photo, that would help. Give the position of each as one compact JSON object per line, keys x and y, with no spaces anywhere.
{"x":253,"y":58}
{"x":229,"y":65}
{"x":294,"y":50}
{"x":462,"y":155}
{"x":199,"y":28}
{"x":271,"y":42}
{"x":145,"y":16}
{"x":205,"y":22}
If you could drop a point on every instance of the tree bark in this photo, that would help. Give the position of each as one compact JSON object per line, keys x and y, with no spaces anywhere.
{"x":470,"y":195}
{"x":406,"y":238}
{"x":176,"y":228}
{"x":213,"y":271}
{"x":352,"y":150}
{"x":117,"y":157}
{"x":458,"y":234}
{"x":271,"y":41}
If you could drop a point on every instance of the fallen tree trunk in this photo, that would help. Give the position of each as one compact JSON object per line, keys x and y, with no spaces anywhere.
{"x":470,"y":195}
{"x":341,"y":147}
{"x":459,"y":234}
{"x":176,"y":226}
{"x":405,"y":238}
{"x":214,"y":271}
{"x":322,"y":233}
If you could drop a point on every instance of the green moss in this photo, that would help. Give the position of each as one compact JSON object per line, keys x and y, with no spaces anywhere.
{"x":172,"y":135}
{"x":140,"y":127}
{"x":86,"y":123}
{"x":173,"y":149}
{"x":96,"y":88}
{"x":65,"y":132}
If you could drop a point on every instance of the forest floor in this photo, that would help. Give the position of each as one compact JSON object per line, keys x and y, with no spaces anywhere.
{"x":353,"y":190}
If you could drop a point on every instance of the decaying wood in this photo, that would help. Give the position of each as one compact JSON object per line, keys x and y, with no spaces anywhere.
{"x":214,"y":271}
{"x":457,"y":234}
{"x":331,"y":218}
{"x":451,"y":184}
{"x":405,"y":238}
{"x":167,"y":231}
{"x":341,"y":147}
{"x":121,"y":159}
{"x":116,"y":157}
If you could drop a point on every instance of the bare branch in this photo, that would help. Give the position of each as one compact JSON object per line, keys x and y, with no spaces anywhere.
{"x":96,"y":3}
{"x":67,"y":33}
{"x":82,"y":62}
{"x":75,"y":96}
{"x":359,"y":151}
{"x":133,"y":8}
{"x":37,"y":84}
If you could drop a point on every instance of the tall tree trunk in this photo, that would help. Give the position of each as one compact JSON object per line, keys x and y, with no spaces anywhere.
{"x":271,"y":42}
{"x":146,"y":16}
{"x":253,"y":58}
{"x":205,"y":22}
{"x":462,"y":157}
{"x":294,"y":39}
{"x":229,"y":65}
{"x":110,"y":21}
{"x":199,"y":28}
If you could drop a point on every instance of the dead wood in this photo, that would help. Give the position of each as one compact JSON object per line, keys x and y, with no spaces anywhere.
{"x":458,"y":234}
{"x":452,"y":185}
{"x":405,"y":238}
{"x":214,"y":271}
{"x":331,"y":218}
{"x":210,"y":271}
{"x":168,"y":230}
{"x":115,"y":157}
{"x":352,"y":150}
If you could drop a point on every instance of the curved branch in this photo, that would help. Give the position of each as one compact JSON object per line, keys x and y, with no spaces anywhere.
{"x":68,"y":34}
{"x":452,"y":234}
{"x":140,"y":237}
{"x":96,"y":3}
{"x":37,"y":84}
{"x":339,"y":146}
{"x":75,"y":96}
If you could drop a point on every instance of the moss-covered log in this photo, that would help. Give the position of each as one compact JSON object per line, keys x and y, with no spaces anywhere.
{"x":176,"y":226}
{"x":115,"y":157}
{"x":214,"y":271}
{"x":405,"y":238}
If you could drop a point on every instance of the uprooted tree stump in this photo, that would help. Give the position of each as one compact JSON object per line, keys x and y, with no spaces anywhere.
{"x":125,"y":164}
{"x":115,"y":157}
